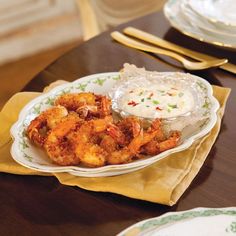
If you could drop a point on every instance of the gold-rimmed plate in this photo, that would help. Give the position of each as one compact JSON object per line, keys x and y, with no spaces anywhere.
{"x":216,"y":11}
{"x":177,"y":19}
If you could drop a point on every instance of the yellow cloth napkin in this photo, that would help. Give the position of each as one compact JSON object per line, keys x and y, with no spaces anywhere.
{"x":163,"y":182}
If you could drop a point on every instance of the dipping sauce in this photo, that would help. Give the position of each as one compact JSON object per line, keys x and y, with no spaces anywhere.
{"x":159,"y":101}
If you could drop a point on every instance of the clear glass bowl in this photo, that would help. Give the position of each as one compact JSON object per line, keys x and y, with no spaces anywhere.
{"x":179,"y":99}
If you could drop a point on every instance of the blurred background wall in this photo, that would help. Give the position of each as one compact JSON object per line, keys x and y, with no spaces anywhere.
{"x":100,"y":15}
{"x":33,"y":33}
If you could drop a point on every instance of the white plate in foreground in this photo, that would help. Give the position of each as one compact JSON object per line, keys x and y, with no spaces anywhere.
{"x":195,"y":222}
{"x":28,"y":155}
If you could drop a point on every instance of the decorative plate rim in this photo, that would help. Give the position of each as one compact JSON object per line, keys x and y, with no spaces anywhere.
{"x":190,"y":34}
{"x":177,"y":213}
{"x":204,"y":24}
{"x":129,"y":166}
{"x":217,"y":21}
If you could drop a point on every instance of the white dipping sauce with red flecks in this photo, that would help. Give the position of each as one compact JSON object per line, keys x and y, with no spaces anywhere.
{"x":159,"y":101}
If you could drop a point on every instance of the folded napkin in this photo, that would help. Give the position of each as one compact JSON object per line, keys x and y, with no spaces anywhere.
{"x":163,"y":182}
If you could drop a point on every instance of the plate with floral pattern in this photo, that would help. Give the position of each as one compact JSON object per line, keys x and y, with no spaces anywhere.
{"x":195,"y":222}
{"x":28,"y":155}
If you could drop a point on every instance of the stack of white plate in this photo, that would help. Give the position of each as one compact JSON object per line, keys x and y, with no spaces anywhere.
{"x":211,"y":21}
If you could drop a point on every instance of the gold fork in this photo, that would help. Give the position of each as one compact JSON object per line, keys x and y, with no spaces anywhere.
{"x":190,"y":65}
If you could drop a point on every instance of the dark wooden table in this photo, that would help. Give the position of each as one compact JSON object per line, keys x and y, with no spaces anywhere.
{"x":33,"y":205}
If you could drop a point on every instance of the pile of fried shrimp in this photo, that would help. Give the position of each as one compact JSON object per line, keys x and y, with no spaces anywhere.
{"x":80,"y":130}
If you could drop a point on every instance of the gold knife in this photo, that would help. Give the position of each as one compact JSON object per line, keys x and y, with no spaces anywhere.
{"x":150,"y":38}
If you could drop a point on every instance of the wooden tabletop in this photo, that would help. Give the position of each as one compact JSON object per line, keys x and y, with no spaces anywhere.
{"x":32,"y":205}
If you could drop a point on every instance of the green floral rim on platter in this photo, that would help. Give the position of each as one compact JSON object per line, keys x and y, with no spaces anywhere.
{"x":143,"y":227}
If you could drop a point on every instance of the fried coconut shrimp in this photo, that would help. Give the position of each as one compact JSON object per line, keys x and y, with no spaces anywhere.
{"x":38,"y":128}
{"x":125,"y":130}
{"x":89,"y":152}
{"x":126,"y":154}
{"x":59,"y":143}
{"x":87,"y":105}
{"x":154,"y":147}
{"x":73,"y":101}
{"x":80,"y":130}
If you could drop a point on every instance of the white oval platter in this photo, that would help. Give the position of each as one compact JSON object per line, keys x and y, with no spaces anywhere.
{"x":28,"y":155}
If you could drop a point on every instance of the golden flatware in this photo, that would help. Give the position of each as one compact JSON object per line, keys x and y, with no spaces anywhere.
{"x":190,"y":65}
{"x":150,"y":38}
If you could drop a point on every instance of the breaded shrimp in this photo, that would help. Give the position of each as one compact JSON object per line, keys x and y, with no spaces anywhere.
{"x":125,"y":130}
{"x":155,"y":147}
{"x":59,"y":144}
{"x":38,"y":128}
{"x":87,"y":105}
{"x":73,"y":101}
{"x":104,"y":107}
{"x":89,"y":153}
{"x":108,"y":143}
{"x":126,"y":154}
